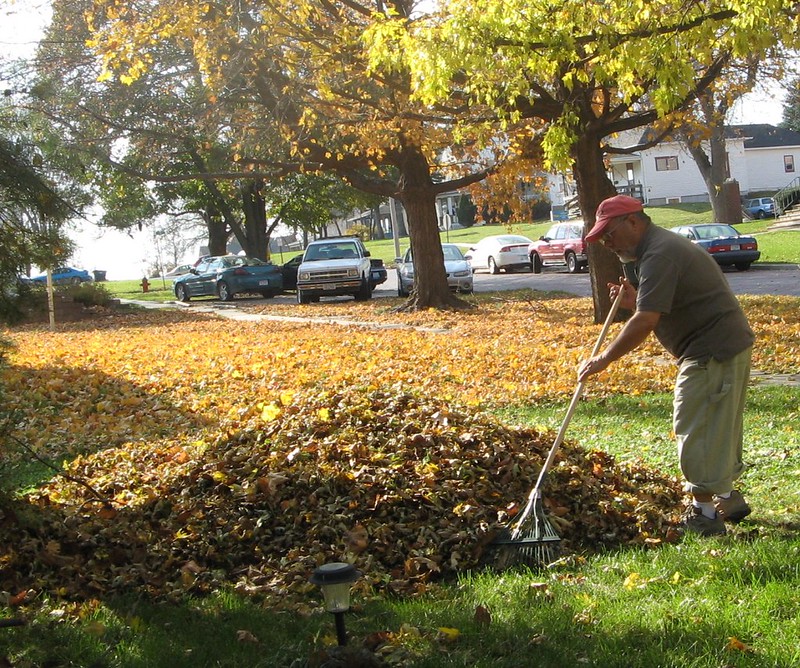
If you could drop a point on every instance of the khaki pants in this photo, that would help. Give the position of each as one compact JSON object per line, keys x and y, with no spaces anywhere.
{"x":707,"y":419}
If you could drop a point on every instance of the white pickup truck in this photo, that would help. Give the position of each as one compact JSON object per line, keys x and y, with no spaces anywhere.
{"x":335,"y":266}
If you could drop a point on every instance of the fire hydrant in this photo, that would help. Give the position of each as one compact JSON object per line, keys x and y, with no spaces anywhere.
{"x":145,"y":284}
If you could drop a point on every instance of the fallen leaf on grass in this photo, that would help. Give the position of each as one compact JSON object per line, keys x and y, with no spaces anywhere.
{"x":482,"y":616}
{"x":246,"y":636}
{"x":736,"y":645}
{"x":448,"y":635}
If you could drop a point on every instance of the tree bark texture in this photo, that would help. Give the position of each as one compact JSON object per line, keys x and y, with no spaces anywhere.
{"x":418,"y":196}
{"x":255,"y":241}
{"x":593,"y":187}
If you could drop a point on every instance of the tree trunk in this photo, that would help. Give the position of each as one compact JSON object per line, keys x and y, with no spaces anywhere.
{"x":217,"y":232}
{"x":714,"y":172}
{"x":593,"y":187}
{"x":377,"y":229}
{"x":399,"y":218}
{"x":255,"y":240}
{"x":419,"y":200}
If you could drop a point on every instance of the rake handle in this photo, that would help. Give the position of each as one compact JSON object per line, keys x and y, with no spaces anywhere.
{"x":574,"y":402}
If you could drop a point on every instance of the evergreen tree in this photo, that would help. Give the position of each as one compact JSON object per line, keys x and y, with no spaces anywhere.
{"x":791,"y":106}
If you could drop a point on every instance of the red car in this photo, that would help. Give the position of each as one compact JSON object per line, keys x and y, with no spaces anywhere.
{"x":562,"y":245}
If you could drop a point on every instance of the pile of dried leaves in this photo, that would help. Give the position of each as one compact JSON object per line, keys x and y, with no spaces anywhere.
{"x":408,"y":488}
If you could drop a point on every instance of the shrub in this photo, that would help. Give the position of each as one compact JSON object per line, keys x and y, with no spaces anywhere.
{"x":361,"y":230}
{"x":89,"y":294}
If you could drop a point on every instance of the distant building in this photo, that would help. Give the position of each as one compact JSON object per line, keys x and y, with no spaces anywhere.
{"x":762,"y":158}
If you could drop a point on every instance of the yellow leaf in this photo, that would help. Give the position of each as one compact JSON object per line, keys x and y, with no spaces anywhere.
{"x":270,"y":413}
{"x":324,"y":414}
{"x":633,"y":581}
{"x":136,"y":624}
{"x":448,"y":634}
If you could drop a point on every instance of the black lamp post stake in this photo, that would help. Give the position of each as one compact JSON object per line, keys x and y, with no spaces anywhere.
{"x":335,"y":580}
{"x":341,"y":634}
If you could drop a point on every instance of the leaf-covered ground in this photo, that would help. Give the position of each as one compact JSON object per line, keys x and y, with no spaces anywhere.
{"x":204,"y":451}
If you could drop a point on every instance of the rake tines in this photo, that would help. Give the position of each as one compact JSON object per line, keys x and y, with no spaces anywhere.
{"x":529,"y":541}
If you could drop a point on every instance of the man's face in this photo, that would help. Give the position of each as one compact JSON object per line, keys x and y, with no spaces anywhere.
{"x":622,"y":236}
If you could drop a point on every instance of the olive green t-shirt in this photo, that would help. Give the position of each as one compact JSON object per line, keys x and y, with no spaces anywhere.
{"x":700,"y":315}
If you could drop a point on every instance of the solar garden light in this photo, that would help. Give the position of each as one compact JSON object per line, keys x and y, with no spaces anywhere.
{"x":335,"y":580}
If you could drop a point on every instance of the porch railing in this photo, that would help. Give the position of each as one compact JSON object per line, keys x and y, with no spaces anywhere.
{"x":632,"y":190}
{"x":787,"y":197}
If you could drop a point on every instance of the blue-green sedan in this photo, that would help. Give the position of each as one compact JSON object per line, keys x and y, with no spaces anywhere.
{"x":224,"y":276}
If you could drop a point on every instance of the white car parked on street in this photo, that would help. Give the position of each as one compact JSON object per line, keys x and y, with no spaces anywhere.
{"x":502,"y":251}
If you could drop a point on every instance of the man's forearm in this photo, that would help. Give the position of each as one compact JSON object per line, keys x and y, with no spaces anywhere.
{"x":633,"y":334}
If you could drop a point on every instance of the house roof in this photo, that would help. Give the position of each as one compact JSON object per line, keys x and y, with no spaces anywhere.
{"x":756,"y":135}
{"x":763,"y":135}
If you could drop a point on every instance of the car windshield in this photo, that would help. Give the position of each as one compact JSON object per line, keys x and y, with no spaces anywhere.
{"x":512,"y":239}
{"x":714,"y":231}
{"x":452,"y":253}
{"x":339,"y":251}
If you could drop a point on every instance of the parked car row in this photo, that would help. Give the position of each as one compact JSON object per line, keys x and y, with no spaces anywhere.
{"x":563,"y":244}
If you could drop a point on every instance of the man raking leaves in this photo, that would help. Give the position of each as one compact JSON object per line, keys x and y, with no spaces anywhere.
{"x":678,"y":292}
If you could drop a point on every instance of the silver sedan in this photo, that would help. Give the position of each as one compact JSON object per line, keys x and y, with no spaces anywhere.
{"x":459,"y":272}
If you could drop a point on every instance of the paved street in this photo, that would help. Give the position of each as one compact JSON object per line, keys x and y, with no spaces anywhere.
{"x":760,"y":279}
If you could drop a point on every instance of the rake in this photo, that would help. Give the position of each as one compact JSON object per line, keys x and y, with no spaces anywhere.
{"x":530,"y":539}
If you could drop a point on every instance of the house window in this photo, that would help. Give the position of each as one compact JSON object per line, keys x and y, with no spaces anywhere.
{"x":667,"y":163}
{"x":788,"y":163}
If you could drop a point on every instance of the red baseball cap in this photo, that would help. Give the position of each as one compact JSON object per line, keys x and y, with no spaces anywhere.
{"x":610,"y":208}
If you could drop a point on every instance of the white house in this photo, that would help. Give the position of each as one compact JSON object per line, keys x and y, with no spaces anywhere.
{"x":762,"y":158}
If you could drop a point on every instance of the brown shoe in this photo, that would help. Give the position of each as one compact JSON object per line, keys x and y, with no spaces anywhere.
{"x":733,"y":509}
{"x":696,"y":522}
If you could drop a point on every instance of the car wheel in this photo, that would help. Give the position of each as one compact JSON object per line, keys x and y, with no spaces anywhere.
{"x":180,"y":293}
{"x":364,"y":293}
{"x":743,"y":266}
{"x":572,"y":263}
{"x":75,"y":281}
{"x":401,"y":291}
{"x":536,"y":263}
{"x":267,"y":294}
{"x":224,"y":291}
{"x":302,"y":297}
{"x":493,"y":268}
{"x":761,"y":215}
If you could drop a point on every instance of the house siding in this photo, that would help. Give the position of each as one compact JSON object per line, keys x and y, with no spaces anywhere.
{"x":765,"y":167}
{"x":755,"y":159}
{"x":686,"y":183}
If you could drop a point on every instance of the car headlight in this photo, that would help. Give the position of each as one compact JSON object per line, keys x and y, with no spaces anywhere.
{"x":305,"y":276}
{"x":463,"y":272}
{"x":352,"y":272}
